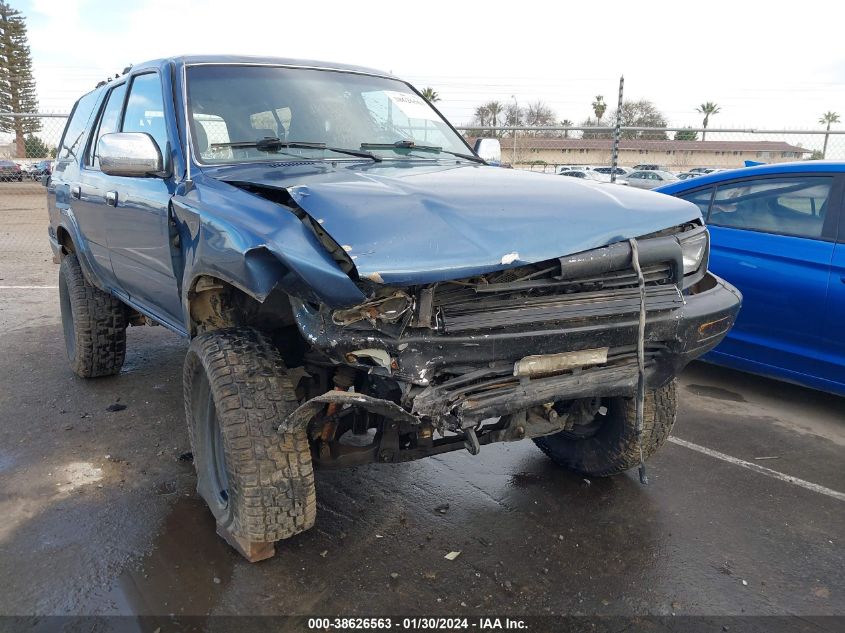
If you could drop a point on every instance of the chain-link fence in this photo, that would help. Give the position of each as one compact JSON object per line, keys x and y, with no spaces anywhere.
{"x":27,"y":144}
{"x":552,"y":149}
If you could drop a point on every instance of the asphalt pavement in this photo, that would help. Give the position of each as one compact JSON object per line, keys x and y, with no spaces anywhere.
{"x":744,"y":514}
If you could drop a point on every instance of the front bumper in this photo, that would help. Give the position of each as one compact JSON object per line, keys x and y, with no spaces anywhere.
{"x":705,"y":315}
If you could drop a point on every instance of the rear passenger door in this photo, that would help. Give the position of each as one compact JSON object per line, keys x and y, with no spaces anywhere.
{"x":773,"y":237}
{"x":88,"y":195}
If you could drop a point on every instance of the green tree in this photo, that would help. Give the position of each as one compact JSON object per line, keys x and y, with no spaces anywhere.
{"x":686,"y":135}
{"x":17,"y":86}
{"x":566,"y":123}
{"x":599,"y":108}
{"x":37,"y":148}
{"x":430,"y":95}
{"x":828,"y":118}
{"x":708,"y":109}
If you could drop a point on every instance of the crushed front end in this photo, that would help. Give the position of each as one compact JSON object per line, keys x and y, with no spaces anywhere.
{"x":525,"y":351}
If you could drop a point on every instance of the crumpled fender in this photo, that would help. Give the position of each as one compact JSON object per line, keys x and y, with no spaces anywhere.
{"x":306,"y":411}
{"x":255,"y":245}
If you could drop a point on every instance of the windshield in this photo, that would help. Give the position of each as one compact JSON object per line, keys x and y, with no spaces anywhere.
{"x":244,"y":104}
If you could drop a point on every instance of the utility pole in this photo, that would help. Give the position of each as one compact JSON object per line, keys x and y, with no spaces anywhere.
{"x":616,"y":132}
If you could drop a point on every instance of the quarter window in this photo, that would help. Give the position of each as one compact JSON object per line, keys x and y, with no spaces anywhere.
{"x":787,"y":206}
{"x":75,"y":131}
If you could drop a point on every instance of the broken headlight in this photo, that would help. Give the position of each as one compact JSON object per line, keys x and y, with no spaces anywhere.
{"x":694,"y":249}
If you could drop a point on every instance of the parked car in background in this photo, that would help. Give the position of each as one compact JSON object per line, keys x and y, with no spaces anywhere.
{"x":778,"y":234}
{"x":686,"y":175}
{"x":620,"y":171}
{"x":592,"y":175}
{"x":10,"y":171}
{"x":369,"y":291}
{"x":651,"y":167}
{"x":649,"y":179}
{"x":42,"y":168}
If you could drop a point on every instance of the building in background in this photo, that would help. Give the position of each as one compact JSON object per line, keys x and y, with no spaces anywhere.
{"x":677,"y":155}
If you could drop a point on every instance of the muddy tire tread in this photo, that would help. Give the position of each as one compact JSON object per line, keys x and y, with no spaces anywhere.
{"x":99,"y":324}
{"x":617,"y":452}
{"x":271,"y":478}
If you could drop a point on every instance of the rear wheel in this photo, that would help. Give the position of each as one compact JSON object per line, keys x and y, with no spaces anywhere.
{"x":94,"y":323}
{"x":258,"y":482}
{"x":608,"y":445}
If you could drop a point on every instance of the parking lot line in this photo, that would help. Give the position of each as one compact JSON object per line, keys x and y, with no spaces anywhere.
{"x":809,"y":485}
{"x":28,"y":287}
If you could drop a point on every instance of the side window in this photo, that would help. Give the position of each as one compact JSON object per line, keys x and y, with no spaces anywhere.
{"x":74,"y":135}
{"x":701,"y":199}
{"x":788,"y":206}
{"x":145,"y":110}
{"x":109,"y":122}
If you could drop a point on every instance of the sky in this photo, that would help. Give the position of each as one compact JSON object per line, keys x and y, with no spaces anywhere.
{"x":768,"y":65}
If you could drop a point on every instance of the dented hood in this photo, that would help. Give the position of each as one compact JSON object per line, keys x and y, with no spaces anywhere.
{"x":408,"y":224}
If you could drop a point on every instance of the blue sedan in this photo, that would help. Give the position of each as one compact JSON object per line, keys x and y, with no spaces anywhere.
{"x":778,"y":233}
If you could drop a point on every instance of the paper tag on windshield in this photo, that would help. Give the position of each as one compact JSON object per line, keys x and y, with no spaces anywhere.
{"x":412,"y":106}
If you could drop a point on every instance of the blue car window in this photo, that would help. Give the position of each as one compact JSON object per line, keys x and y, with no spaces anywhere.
{"x":701,"y":199}
{"x":788,"y":206}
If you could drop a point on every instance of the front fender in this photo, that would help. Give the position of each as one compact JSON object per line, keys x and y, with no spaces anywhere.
{"x":256,"y":245}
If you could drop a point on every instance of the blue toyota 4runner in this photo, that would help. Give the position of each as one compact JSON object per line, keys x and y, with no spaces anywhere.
{"x":359,"y":286}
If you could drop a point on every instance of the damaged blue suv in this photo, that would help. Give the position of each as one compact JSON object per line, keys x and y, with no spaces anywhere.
{"x":359,"y":286}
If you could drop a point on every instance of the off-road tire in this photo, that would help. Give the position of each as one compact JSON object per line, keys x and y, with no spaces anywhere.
{"x":94,"y":323}
{"x":613,"y":448}
{"x":257,"y":481}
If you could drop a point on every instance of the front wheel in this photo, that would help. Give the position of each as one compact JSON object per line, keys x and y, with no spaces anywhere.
{"x":608,"y":445}
{"x":258,"y":482}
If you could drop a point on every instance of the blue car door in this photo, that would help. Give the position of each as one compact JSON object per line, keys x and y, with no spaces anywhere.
{"x":88,"y":194}
{"x":139,"y":232}
{"x":773,"y":238}
{"x":835,"y":312}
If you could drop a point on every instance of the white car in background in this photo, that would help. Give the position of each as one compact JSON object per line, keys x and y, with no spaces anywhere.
{"x":650,"y":178}
{"x":621,"y":172}
{"x":591,"y":175}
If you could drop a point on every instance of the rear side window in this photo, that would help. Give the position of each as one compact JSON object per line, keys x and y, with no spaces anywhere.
{"x":787,"y":206}
{"x":109,"y":122}
{"x":74,"y":135}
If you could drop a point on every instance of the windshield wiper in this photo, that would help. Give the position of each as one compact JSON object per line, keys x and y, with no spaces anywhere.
{"x":272,"y":144}
{"x":422,"y":148}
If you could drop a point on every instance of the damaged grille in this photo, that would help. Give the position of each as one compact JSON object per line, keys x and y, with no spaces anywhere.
{"x":543,"y":292}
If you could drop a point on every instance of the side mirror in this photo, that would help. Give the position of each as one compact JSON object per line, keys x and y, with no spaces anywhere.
{"x":133,"y":154}
{"x":490,"y":149}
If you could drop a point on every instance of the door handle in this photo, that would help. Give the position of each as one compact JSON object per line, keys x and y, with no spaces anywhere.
{"x":76,"y":192}
{"x":111,"y":198}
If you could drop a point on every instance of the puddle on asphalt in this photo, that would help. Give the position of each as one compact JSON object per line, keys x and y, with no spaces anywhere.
{"x":715,"y":392}
{"x":185,"y":574}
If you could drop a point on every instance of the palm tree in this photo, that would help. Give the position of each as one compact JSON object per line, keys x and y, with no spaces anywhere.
{"x":494,"y":109}
{"x":599,"y":108}
{"x":482,"y":114}
{"x":566,"y":123}
{"x":430,"y":95}
{"x":828,"y":118}
{"x":707,"y":109}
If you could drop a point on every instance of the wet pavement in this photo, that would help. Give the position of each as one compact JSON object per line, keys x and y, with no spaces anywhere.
{"x":98,"y":513}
